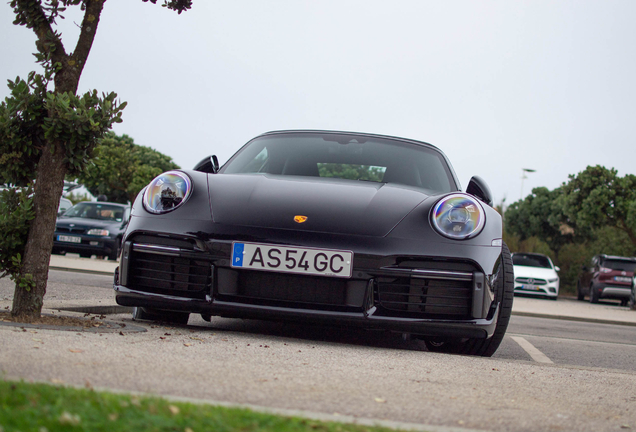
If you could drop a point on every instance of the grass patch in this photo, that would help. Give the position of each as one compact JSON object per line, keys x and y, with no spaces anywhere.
{"x":41,"y":407}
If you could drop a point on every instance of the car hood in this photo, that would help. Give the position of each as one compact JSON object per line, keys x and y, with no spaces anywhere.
{"x":86,"y":223}
{"x":330,"y":205}
{"x":534,"y":272}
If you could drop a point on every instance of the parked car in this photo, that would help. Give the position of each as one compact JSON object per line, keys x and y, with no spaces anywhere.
{"x":607,"y":277}
{"x":535,"y":275}
{"x":334,"y":227}
{"x":91,"y":228}
{"x":64,"y":205}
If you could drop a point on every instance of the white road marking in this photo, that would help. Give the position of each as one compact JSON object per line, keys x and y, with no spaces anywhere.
{"x":536,"y":355}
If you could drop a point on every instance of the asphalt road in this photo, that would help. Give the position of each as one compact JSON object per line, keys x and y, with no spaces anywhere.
{"x":547,"y":375}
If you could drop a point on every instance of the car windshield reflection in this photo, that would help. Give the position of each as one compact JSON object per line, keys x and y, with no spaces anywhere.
{"x":98,"y":211}
{"x":531,"y":260}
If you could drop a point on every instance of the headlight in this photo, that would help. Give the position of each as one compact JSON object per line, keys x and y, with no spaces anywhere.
{"x":98,"y":232}
{"x":458,"y":217}
{"x":167,"y":192}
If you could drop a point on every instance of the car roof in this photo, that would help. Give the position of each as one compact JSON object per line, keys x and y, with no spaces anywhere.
{"x":103,"y":202}
{"x":618,"y":258}
{"x":335,"y":132}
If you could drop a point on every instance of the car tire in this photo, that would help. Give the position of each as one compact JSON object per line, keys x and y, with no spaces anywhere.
{"x":504,"y":295}
{"x":148,"y":314}
{"x":446,"y":346}
{"x":593,"y":295}
{"x":580,"y":295}
{"x":632,"y":298}
{"x":115,"y":252}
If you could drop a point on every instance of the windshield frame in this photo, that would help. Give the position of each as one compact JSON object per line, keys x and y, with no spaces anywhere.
{"x":349,"y":139}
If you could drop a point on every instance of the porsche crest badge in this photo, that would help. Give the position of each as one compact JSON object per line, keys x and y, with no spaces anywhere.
{"x":300,"y":218}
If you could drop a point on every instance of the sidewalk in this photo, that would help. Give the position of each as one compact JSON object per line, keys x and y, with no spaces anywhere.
{"x":83,"y":265}
{"x":565,"y":308}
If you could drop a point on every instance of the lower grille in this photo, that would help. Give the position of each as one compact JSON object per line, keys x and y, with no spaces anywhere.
{"x":293,"y":291}
{"x":170,"y":275}
{"x":425,"y":298}
{"x":70,"y":230}
{"x":531,"y":281}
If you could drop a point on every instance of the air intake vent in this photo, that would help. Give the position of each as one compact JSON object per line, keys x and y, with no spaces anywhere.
{"x":425,"y":298}
{"x":293,"y":291}
{"x":170,"y":275}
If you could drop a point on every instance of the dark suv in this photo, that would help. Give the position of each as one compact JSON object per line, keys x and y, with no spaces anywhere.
{"x":607,"y":277}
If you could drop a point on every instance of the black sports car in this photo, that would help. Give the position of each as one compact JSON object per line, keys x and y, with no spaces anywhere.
{"x":339,"y":227}
{"x":91,"y":228}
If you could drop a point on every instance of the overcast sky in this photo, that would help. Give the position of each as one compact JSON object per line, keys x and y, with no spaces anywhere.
{"x":497,"y":85}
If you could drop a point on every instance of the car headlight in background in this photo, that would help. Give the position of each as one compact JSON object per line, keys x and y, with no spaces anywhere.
{"x":98,"y":232}
{"x":458,"y":217}
{"x":167,"y":192}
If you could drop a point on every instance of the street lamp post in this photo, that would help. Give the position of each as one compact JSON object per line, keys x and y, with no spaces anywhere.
{"x":523,"y":177}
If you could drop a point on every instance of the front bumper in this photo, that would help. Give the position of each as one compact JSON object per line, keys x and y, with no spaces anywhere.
{"x":550,"y":290}
{"x":442,"y":298}
{"x":89,"y":244}
{"x":611,"y":291}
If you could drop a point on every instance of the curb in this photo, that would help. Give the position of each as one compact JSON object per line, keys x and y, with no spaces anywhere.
{"x":571,"y":318}
{"x":96,"y":310}
{"x":75,"y":270}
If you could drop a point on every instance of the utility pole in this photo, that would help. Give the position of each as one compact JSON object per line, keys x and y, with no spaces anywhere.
{"x":523,"y":177}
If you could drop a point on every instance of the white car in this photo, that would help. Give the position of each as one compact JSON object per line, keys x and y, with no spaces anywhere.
{"x":65,"y":204}
{"x":535,"y":275}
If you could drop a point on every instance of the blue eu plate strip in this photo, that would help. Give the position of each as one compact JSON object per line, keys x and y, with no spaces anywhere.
{"x":237,"y":256}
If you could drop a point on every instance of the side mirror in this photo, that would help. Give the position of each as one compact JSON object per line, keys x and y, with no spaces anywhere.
{"x":208,"y":165}
{"x":557,"y":268}
{"x":478,"y":188}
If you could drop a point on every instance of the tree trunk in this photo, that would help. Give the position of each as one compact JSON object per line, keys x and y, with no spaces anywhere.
{"x":49,"y":185}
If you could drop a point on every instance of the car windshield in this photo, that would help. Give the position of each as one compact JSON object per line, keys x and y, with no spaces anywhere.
{"x":621,"y":265}
{"x":345,"y":156}
{"x":99,"y":211}
{"x":531,"y":260}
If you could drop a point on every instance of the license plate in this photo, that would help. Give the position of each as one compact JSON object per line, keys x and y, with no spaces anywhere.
{"x":288,"y":259}
{"x":622,"y":279}
{"x":530,"y":287}
{"x":70,"y":239}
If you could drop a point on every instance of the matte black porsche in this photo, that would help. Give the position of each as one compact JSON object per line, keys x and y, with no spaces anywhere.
{"x":338,"y":227}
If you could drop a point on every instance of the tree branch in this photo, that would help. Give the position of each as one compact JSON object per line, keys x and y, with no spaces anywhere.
{"x":31,"y":14}
{"x":87,"y":35}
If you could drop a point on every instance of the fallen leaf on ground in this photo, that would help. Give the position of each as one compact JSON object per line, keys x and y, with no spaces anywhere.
{"x":380,"y":400}
{"x":76,"y":350}
{"x":71,"y":419}
{"x":174,"y":409}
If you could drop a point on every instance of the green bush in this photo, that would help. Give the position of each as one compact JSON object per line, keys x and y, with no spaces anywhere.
{"x":16,"y":214}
